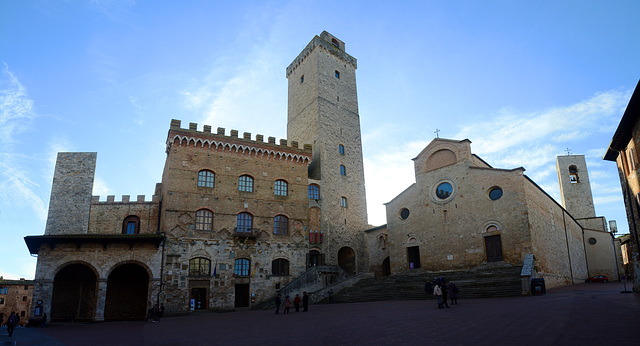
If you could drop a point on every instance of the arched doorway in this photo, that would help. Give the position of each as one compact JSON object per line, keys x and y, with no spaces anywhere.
{"x":347,"y":260}
{"x":74,"y":294}
{"x":386,"y":267}
{"x":127,"y":290}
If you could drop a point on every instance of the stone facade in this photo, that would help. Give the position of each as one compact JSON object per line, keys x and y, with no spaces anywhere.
{"x":15,"y":296}
{"x":625,"y":150}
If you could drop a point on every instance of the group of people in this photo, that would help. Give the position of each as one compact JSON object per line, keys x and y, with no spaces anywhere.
{"x":443,"y":291}
{"x":156,"y":312}
{"x":288,"y":304}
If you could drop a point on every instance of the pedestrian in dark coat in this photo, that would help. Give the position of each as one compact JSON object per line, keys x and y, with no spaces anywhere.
{"x":12,"y":322}
{"x":305,"y":301}
{"x":278,"y":302}
{"x":453,"y":293}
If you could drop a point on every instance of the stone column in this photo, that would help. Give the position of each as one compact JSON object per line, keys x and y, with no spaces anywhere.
{"x":101,"y":299}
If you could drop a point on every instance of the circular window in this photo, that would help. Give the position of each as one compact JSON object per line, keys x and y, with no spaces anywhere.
{"x":495,"y":193}
{"x":592,"y":241}
{"x":404,"y":213}
{"x":444,"y":190}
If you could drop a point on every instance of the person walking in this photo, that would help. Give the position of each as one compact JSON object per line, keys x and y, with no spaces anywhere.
{"x":305,"y":301}
{"x":287,"y":304}
{"x":331,"y":296}
{"x":296,"y":302}
{"x":161,"y":311}
{"x":438,"y":293}
{"x":453,"y":293}
{"x":44,"y":320}
{"x":278,"y":302}
{"x":445,"y":294}
{"x":12,"y":322}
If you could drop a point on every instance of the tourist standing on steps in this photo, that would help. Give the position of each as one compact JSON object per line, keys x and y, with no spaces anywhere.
{"x":438,"y":293}
{"x":287,"y":304}
{"x":305,"y":301}
{"x":278,"y":302}
{"x":453,"y":293}
{"x":296,"y":302}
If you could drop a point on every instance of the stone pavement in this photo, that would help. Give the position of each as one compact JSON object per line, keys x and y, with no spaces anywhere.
{"x":584,"y":314}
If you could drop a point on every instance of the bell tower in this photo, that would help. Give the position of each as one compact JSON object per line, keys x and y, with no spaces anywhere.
{"x":323,"y":111}
{"x":575,"y":189}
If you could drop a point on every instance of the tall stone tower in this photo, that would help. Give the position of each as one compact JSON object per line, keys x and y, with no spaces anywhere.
{"x":323,"y":111}
{"x":70,"y":202}
{"x":575,"y":189}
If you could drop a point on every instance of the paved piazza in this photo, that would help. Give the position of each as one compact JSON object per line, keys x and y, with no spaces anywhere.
{"x":585,"y":314}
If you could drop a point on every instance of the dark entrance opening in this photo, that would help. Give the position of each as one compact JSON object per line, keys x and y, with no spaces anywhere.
{"x":413,"y":257}
{"x":127,"y":289}
{"x":315,"y":258}
{"x":74,"y":294}
{"x":242,"y":295}
{"x":493,"y":246}
{"x":386,"y":267}
{"x":199,"y":298}
{"x":347,"y":260}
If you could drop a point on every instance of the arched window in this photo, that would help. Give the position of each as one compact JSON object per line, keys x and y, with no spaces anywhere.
{"x":314,"y":191}
{"x":337,"y":74}
{"x":199,"y":266}
{"x":281,"y":188}
{"x":245,"y":183}
{"x":341,"y":149}
{"x":204,"y":220}
{"x":281,"y":225}
{"x":343,"y":170}
{"x":280,"y":267}
{"x":206,"y":178}
{"x":131,"y":225}
{"x":573,"y":174}
{"x":343,"y":202}
{"x":241,"y":267}
{"x":245,"y":223}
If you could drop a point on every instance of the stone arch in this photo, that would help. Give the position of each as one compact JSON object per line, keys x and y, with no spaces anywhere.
{"x":347,"y":260}
{"x":439,"y":159}
{"x":74,"y":293}
{"x":127,"y":291}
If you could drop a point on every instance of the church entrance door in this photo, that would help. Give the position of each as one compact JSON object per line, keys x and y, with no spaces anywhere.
{"x":413,"y":256}
{"x":386,"y":267}
{"x":493,"y":246}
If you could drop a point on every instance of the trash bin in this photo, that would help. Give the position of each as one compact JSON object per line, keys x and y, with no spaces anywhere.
{"x":538,"y":287}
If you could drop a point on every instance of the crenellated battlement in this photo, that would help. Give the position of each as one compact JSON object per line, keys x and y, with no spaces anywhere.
{"x":111,"y":199}
{"x":219,"y":141}
{"x":322,"y":43}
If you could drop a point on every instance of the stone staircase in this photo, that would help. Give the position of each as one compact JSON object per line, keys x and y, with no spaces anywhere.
{"x":485,"y":281}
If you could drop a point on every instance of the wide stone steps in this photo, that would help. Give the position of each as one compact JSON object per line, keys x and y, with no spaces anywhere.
{"x":484,"y":282}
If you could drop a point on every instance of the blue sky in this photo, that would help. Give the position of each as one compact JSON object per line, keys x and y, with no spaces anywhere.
{"x":522,"y":80}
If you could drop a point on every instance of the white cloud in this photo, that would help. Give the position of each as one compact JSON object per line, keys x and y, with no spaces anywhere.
{"x":17,"y":186}
{"x":100,"y":188}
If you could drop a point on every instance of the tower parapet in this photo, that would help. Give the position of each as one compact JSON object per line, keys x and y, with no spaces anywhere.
{"x":244,"y":146}
{"x":329,"y":42}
